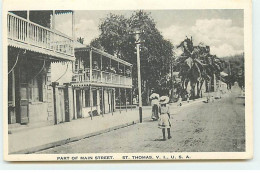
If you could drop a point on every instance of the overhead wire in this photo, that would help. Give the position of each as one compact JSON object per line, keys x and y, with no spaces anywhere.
{"x":17,"y":58}
{"x":63,"y":73}
{"x":40,"y":70}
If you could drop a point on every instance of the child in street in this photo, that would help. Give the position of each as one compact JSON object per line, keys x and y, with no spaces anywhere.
{"x":188,"y":96}
{"x":164,"y":121}
{"x":155,"y":105}
{"x":180,"y":101}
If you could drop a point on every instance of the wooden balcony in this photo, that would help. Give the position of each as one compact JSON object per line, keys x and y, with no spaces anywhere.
{"x":27,"y":35}
{"x":101,"y":78}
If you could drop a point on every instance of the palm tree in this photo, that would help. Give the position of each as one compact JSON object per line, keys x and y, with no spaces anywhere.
{"x":197,"y":66}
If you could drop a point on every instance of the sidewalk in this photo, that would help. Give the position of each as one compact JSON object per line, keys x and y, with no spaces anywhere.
{"x":36,"y":139}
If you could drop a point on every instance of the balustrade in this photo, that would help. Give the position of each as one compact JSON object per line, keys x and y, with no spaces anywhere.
{"x":103,"y":77}
{"x":25,"y":31}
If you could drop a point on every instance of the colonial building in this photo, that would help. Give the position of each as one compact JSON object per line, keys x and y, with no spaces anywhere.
{"x":33,"y":44}
{"x":101,"y":83}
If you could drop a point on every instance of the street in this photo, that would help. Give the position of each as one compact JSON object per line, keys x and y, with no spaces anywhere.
{"x":201,"y":127}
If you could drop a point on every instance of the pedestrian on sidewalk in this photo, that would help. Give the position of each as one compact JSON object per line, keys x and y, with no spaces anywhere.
{"x":164,"y":121}
{"x":155,"y":105}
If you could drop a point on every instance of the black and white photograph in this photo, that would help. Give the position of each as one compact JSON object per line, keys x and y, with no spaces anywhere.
{"x":137,"y":84}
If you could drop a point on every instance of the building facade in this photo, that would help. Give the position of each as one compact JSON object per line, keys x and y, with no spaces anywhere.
{"x":101,"y":83}
{"x":33,"y":45}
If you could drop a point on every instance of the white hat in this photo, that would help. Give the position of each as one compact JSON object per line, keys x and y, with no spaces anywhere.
{"x":164,"y":100}
{"x":154,"y":96}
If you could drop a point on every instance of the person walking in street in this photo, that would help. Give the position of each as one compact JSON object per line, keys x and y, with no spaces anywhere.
{"x":180,"y":100}
{"x":164,"y":120}
{"x":188,"y":96}
{"x":155,"y":105}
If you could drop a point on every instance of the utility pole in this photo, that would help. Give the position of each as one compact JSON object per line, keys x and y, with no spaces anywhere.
{"x":138,"y":42}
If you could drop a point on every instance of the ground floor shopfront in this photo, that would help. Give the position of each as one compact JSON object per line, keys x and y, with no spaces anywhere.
{"x":29,"y":87}
{"x":90,"y":101}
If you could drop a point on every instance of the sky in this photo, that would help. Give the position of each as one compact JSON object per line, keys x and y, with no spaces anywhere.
{"x":222,"y":30}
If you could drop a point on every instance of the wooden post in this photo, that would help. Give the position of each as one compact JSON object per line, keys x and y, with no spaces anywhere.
{"x":82,"y":102}
{"x":28,"y":19}
{"x":114,"y":99}
{"x":68,"y":102}
{"x":98,"y":100}
{"x":101,"y":74}
{"x":125,"y":101}
{"x":90,"y":101}
{"x":83,"y":98}
{"x":111,"y":105}
{"x":131,"y":98}
{"x":13,"y":88}
{"x":111,"y":80}
{"x":119,"y":100}
{"x":102,"y":100}
{"x":55,"y":102}
{"x":75,"y":104}
{"x":90,"y":65}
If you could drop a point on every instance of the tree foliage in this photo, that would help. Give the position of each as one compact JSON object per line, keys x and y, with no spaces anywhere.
{"x":235,"y":66}
{"x":155,"y":53}
{"x":197,"y":65}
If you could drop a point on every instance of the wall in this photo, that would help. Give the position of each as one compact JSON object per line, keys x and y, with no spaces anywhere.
{"x":63,"y":71}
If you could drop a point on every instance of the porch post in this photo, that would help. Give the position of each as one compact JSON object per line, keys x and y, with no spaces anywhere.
{"x":114,"y":99}
{"x":81,"y":102}
{"x":119,"y":100}
{"x":75,"y":104}
{"x":13,"y":88}
{"x":131,"y":91}
{"x":69,"y":102}
{"x":111,"y":105}
{"x":119,"y":77}
{"x":83,"y":97}
{"x":111,"y":80}
{"x":101,"y":75}
{"x":28,"y":19}
{"x":102,"y":100}
{"x":125,"y":101}
{"x":90,"y":65}
{"x":55,"y":90}
{"x":98,"y":101}
{"x":91,"y":101}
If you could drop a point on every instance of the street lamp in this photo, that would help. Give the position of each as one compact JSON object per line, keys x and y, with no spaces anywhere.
{"x":138,"y":42}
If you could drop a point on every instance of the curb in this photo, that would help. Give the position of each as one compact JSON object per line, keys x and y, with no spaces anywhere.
{"x":77,"y":138}
{"x":73,"y":139}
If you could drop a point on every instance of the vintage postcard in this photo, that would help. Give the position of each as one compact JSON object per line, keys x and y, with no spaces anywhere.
{"x":127,"y":80}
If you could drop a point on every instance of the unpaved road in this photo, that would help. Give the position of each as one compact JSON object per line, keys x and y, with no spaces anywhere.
{"x":200,"y":127}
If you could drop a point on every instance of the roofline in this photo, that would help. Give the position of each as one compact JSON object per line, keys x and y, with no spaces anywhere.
{"x":103,"y":53}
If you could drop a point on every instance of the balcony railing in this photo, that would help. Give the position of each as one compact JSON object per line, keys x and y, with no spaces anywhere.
{"x":102,"y":77}
{"x":27,"y":32}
